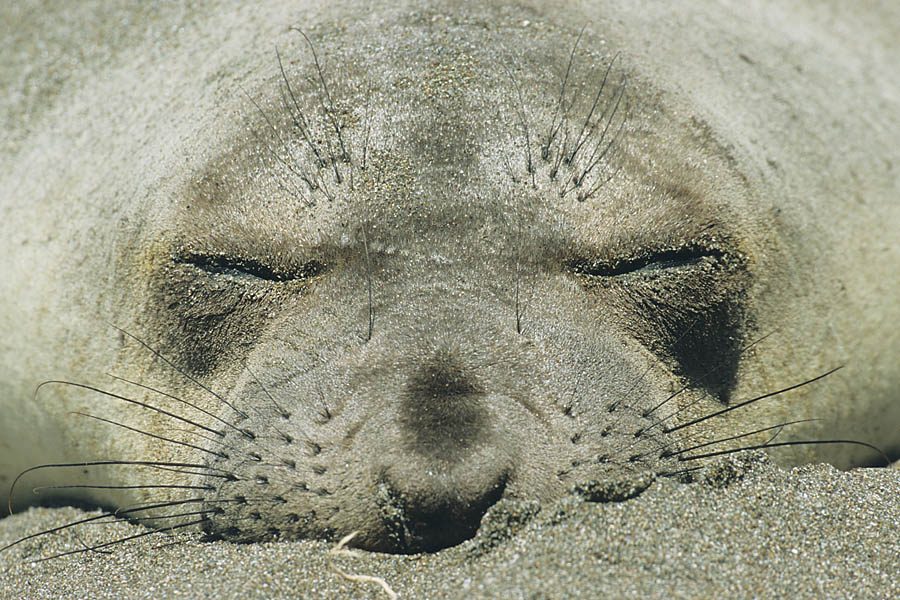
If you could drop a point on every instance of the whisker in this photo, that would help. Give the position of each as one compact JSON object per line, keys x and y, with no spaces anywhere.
{"x":121,"y":540}
{"x":55,"y":529}
{"x":299,"y":118}
{"x":685,"y":387}
{"x":177,"y":370}
{"x":523,"y":120}
{"x":116,"y":515}
{"x":130,"y":401}
{"x":285,"y":415}
{"x":779,"y":427}
{"x":590,"y":193}
{"x":581,"y":139}
{"x":554,"y":128}
{"x":192,"y":513}
{"x":703,"y":378}
{"x":222,"y":473}
{"x":615,"y":405}
{"x":84,"y":544}
{"x":784,"y":444}
{"x":371,"y":306}
{"x":207,"y":438}
{"x":281,"y":411}
{"x":302,"y":174}
{"x":227,"y":474}
{"x":680,"y":471}
{"x":333,"y":111}
{"x":330,"y":110}
{"x":125,"y":487}
{"x":177,"y":399}
{"x":152,"y":435}
{"x":718,"y":413}
{"x":128,"y":510}
{"x":595,"y":159}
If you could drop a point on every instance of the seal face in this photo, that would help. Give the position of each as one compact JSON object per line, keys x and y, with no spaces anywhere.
{"x":432,"y":304}
{"x":429,"y":265}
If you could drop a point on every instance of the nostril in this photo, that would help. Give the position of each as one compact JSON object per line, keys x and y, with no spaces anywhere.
{"x":436,"y":515}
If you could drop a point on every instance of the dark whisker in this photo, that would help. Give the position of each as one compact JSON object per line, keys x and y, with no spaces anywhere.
{"x":783,"y":444}
{"x":560,"y":153}
{"x":337,"y":130}
{"x":285,"y":415}
{"x":330,"y":110}
{"x":718,"y":413}
{"x":115,"y":515}
{"x":147,"y":463}
{"x":87,"y":548}
{"x":507,"y":166}
{"x":141,"y":508}
{"x":278,"y":158}
{"x":617,"y":402}
{"x":581,"y":139}
{"x":779,"y":427}
{"x":202,"y":436}
{"x":595,"y":159}
{"x":590,"y":193}
{"x":680,"y":471}
{"x":130,"y":401}
{"x":368,"y":284}
{"x":152,"y":435}
{"x":120,"y":540}
{"x":701,"y":379}
{"x":173,"y":486}
{"x":523,"y":120}
{"x":213,"y":511}
{"x":179,"y":371}
{"x":281,"y":411}
{"x":224,"y":475}
{"x":177,"y":399}
{"x":298,"y":118}
{"x":365,"y":147}
{"x":554,"y":127}
{"x":55,"y":529}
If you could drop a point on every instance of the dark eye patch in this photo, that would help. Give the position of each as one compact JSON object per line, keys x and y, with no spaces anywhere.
{"x":685,"y":303}
{"x":249,"y":269}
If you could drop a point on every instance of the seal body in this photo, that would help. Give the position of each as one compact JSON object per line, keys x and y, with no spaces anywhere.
{"x":375,"y":270}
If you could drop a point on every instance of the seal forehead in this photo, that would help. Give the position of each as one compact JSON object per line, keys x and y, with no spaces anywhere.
{"x":453,"y":127}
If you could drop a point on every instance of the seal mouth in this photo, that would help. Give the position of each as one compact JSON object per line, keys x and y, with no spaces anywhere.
{"x":427,"y":521}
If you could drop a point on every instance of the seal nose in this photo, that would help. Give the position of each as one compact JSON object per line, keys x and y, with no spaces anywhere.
{"x":442,"y":411}
{"x":454,"y":468}
{"x":435,"y":512}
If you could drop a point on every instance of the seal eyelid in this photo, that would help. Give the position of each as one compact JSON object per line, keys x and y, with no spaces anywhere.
{"x":647,"y":262}
{"x":243,"y":268}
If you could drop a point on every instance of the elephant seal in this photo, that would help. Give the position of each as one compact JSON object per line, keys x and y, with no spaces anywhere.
{"x":373,"y":270}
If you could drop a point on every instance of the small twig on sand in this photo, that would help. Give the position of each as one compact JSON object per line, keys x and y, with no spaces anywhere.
{"x":341,"y":550}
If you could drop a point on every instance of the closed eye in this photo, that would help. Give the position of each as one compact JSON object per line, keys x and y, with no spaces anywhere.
{"x":649,"y":263}
{"x":249,"y":269}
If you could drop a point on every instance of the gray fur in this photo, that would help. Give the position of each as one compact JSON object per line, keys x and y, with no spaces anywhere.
{"x":405,"y":286}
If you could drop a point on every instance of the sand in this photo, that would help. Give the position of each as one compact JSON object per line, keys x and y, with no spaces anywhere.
{"x":744,"y":529}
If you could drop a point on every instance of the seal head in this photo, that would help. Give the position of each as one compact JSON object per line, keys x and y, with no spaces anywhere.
{"x":437,"y":287}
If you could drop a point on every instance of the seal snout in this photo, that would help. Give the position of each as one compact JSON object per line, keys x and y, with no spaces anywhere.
{"x":452,"y":468}
{"x":442,"y":410}
{"x":435,"y":511}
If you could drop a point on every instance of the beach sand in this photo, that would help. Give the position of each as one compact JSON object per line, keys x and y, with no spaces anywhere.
{"x":744,"y":529}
